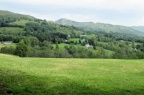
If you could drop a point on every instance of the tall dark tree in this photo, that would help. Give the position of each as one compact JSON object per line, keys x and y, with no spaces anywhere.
{"x":21,"y":49}
{"x":57,"y":46}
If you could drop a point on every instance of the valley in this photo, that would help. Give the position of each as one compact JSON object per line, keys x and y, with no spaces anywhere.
{"x":64,"y":38}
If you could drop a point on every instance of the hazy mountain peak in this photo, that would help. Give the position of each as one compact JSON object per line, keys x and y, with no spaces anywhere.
{"x":139,"y":28}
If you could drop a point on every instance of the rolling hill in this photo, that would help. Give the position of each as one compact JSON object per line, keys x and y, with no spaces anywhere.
{"x":109,"y":28}
{"x":87,"y":26}
{"x":8,"y":14}
{"x":106,"y":39}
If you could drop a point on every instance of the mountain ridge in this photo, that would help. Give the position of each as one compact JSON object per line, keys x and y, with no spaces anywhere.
{"x":91,"y":26}
{"x":139,"y":28}
{"x":87,"y":26}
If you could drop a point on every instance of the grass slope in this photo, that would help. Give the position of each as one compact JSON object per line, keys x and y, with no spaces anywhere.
{"x":14,"y":15}
{"x":48,"y":76}
{"x":22,"y":22}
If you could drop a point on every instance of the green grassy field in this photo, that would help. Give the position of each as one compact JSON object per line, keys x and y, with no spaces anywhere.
{"x":90,"y":36}
{"x":22,"y":22}
{"x":51,"y":76}
{"x":74,"y":39}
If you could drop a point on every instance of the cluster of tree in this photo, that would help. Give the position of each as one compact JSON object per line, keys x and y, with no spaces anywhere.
{"x":4,"y":20}
{"x":8,"y":22}
{"x":45,"y":49}
{"x":32,"y":47}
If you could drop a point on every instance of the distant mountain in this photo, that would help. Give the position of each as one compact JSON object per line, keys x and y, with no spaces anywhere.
{"x":109,"y":28}
{"x":7,"y":14}
{"x":139,"y":28}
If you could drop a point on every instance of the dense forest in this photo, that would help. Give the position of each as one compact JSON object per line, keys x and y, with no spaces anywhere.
{"x":27,"y":36}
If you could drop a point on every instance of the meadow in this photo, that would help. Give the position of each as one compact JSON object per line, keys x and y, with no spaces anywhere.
{"x":22,"y":22}
{"x":55,"y":76}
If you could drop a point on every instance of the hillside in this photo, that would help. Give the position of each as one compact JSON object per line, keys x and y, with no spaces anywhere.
{"x":109,"y":28}
{"x":14,"y":24}
{"x":35,"y":76}
{"x":40,"y":38}
{"x":7,"y":14}
{"x":139,"y":28}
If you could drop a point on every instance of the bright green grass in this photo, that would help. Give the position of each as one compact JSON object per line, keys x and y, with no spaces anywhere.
{"x":109,"y":52}
{"x":54,"y":76}
{"x":22,"y":22}
{"x":90,"y":36}
{"x":11,"y":29}
{"x":74,"y":39}
{"x":3,"y":45}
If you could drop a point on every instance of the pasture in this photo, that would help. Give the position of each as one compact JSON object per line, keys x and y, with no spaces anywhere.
{"x":55,"y":76}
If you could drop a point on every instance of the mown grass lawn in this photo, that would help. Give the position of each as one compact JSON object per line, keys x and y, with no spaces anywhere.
{"x":55,"y":76}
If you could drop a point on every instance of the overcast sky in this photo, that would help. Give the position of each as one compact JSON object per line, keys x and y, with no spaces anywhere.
{"x":119,"y":12}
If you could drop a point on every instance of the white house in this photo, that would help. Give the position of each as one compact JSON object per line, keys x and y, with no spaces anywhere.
{"x":89,"y":46}
{"x":82,"y":35}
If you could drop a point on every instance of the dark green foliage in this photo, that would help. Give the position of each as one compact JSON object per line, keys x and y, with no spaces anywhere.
{"x":57,"y":46}
{"x":7,"y":50}
{"x":79,"y":41}
{"x":133,"y":44}
{"x":21,"y":49}
{"x":62,"y":54}
{"x":140,"y":47}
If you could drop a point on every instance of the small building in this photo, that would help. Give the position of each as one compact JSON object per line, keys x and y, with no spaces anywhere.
{"x":7,"y":42}
{"x":66,"y":40}
{"x":89,"y":46}
{"x":83,"y":40}
{"x":83,"y":35}
{"x":134,"y":49}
